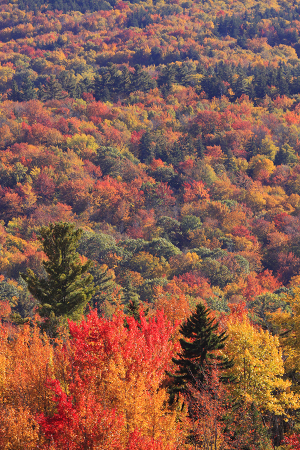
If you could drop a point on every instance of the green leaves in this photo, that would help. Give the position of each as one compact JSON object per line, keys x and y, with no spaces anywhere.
{"x":198,"y":349}
{"x":67,"y":288}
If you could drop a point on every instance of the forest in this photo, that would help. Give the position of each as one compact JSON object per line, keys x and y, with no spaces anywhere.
{"x":150,"y":225}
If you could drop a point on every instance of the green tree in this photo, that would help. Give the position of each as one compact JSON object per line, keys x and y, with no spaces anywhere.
{"x":29,"y":92}
{"x":67,"y":288}
{"x":131,"y":299}
{"x":198,"y":351}
{"x":141,"y":80}
{"x":69,"y":84}
{"x":15,"y":94}
{"x":104,"y":280}
{"x":52,"y":90}
{"x":125,"y":81}
{"x":103,"y":86}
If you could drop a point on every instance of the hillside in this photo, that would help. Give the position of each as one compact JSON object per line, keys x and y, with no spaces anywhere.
{"x":169,"y":132}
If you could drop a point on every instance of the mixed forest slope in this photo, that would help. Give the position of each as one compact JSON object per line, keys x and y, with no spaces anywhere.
{"x":169,"y":132}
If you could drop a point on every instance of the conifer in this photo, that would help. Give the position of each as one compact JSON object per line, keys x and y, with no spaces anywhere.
{"x":198,"y":350}
{"x":15,"y":94}
{"x":52,"y":90}
{"x":67,"y":289}
{"x":29,"y":93}
{"x":131,"y":299}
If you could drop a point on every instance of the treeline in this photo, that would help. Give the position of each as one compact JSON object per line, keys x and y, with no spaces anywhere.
{"x":67,"y":6}
{"x":114,"y":82}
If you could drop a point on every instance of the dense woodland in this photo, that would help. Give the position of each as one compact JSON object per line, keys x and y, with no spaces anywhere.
{"x":164,"y":137}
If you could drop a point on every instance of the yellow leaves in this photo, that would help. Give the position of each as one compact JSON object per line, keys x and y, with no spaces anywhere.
{"x":150,"y":266}
{"x":289,"y":325}
{"x":18,"y":429}
{"x":82,"y":144}
{"x":25,"y":361}
{"x":6,"y":136}
{"x":261,"y":163}
{"x":242,"y":164}
{"x":244,"y":244}
{"x":185,"y":262}
{"x":258,"y":367}
{"x":294,"y":200}
{"x":234,"y":218}
{"x":72,"y":164}
{"x":268,"y":148}
{"x":14,"y":242}
{"x":57,"y":56}
{"x":295,"y":281}
{"x":29,"y":194}
{"x":255,"y":199}
{"x":6,"y":74}
{"x":34,"y":173}
{"x":142,"y":404}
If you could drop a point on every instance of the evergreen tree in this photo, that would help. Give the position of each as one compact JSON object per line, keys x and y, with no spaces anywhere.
{"x":125,"y":81}
{"x":85,"y":85}
{"x":231,"y":162}
{"x":146,"y":150}
{"x":141,"y":80}
{"x":98,"y":87}
{"x":176,"y":155}
{"x":52,"y":90}
{"x":167,"y":78}
{"x":104,"y":282}
{"x":107,"y":85}
{"x":29,"y":93}
{"x":102,"y":86}
{"x":251,"y":148}
{"x":198,"y":350}
{"x":15,"y":94}
{"x":67,"y":288}
{"x":200,"y":148}
{"x":69,"y":84}
{"x":260,"y":84}
{"x":131,"y":299}
{"x":283,"y":80}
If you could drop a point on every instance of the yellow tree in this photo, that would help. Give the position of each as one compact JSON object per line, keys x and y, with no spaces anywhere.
{"x":288,"y":323}
{"x":258,"y":368}
{"x":26,"y":362}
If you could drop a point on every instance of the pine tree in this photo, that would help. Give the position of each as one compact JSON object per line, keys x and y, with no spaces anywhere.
{"x":198,"y":350}
{"x":231,"y":162}
{"x":29,"y":93}
{"x":103,"y":86}
{"x":69,"y":84}
{"x":98,"y":87}
{"x":52,"y":90}
{"x":15,"y":94}
{"x":125,"y":81}
{"x":141,"y":80}
{"x":200,"y":148}
{"x":104,"y":280}
{"x":67,"y":288}
{"x":131,"y":299}
{"x":167,"y":78}
{"x":146,"y":150}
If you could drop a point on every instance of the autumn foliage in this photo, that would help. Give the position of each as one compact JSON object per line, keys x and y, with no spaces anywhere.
{"x":168,"y":133}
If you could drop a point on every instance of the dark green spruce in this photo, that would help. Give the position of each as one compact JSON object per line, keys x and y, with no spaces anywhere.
{"x":198,"y":351}
{"x":52,"y":90}
{"x":67,"y":287}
